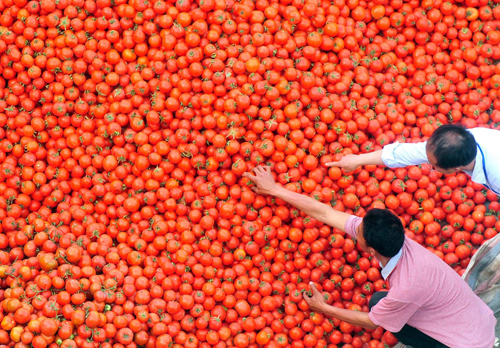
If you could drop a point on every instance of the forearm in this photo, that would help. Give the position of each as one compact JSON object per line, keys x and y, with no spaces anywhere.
{"x":319,"y":211}
{"x":355,"y":318}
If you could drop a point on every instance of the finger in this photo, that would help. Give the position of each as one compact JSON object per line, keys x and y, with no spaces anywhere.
{"x":333,"y":164}
{"x":260,"y":169}
{"x":250,"y":176}
{"x":268,"y":169}
{"x":256,"y":169}
{"x":314,"y":290}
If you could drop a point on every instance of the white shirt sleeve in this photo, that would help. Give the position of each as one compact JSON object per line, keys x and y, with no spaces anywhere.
{"x":402,"y":155}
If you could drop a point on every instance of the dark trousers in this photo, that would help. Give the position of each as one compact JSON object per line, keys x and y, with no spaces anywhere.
{"x":408,"y":334}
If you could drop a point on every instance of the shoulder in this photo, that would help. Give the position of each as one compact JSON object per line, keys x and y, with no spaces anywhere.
{"x":480,"y":132}
{"x":354,"y":220}
{"x":417,"y":264}
{"x":418,"y":254}
{"x":352,"y":224}
{"x":420,"y":266}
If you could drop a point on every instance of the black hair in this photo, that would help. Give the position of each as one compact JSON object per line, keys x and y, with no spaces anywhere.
{"x":383,"y":231}
{"x":453,"y":146}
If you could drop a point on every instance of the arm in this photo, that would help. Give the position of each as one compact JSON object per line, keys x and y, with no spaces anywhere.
{"x":351,"y":162}
{"x":352,"y":317}
{"x":393,"y":156}
{"x":318,"y":304}
{"x":266,"y":185}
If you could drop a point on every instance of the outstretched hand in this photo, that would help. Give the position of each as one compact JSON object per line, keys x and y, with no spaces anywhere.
{"x":316,"y":302}
{"x":263,"y":179}
{"x":348,"y":162}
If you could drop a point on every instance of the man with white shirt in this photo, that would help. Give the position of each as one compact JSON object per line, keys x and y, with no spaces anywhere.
{"x":451,"y":148}
{"x":428,"y":304}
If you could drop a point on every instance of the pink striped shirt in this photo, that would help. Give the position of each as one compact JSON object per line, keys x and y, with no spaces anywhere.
{"x":430,"y":296}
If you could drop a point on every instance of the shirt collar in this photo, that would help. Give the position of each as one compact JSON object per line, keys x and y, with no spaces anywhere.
{"x":477,"y":174}
{"x":389,"y":267}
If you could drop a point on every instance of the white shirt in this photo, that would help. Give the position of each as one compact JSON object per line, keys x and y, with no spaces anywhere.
{"x":402,"y":155}
{"x":391,"y":264}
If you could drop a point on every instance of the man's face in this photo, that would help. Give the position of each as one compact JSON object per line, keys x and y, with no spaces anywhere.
{"x":362,"y":242}
{"x":433,"y":162}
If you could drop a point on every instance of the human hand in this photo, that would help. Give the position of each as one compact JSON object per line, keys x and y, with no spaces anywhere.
{"x":264,"y":181}
{"x":316,"y":302}
{"x":348,"y":162}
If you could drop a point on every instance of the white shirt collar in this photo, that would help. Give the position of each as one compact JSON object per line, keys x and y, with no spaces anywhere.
{"x":477,"y":174}
{"x":389,"y":267}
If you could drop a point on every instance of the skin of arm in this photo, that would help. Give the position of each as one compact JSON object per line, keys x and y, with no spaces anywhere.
{"x":266,"y":185}
{"x":317,"y":304}
{"x":313,"y":208}
{"x":351,"y":162}
{"x":352,"y":317}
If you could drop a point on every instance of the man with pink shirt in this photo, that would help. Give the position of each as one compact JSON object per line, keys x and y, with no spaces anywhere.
{"x":428,"y":304}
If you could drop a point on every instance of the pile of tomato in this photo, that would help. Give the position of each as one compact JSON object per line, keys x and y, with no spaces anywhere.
{"x":126,"y":127}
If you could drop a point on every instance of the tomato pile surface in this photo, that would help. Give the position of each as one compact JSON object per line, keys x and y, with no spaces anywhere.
{"x":126,"y":127}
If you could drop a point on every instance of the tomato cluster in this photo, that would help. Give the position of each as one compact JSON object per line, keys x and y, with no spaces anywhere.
{"x":126,"y":127}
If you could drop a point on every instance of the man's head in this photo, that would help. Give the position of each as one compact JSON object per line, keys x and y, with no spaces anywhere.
{"x":450,"y":148}
{"x":382,"y":233}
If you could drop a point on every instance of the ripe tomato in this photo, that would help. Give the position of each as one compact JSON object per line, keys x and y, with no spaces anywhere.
{"x":126,"y":128}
